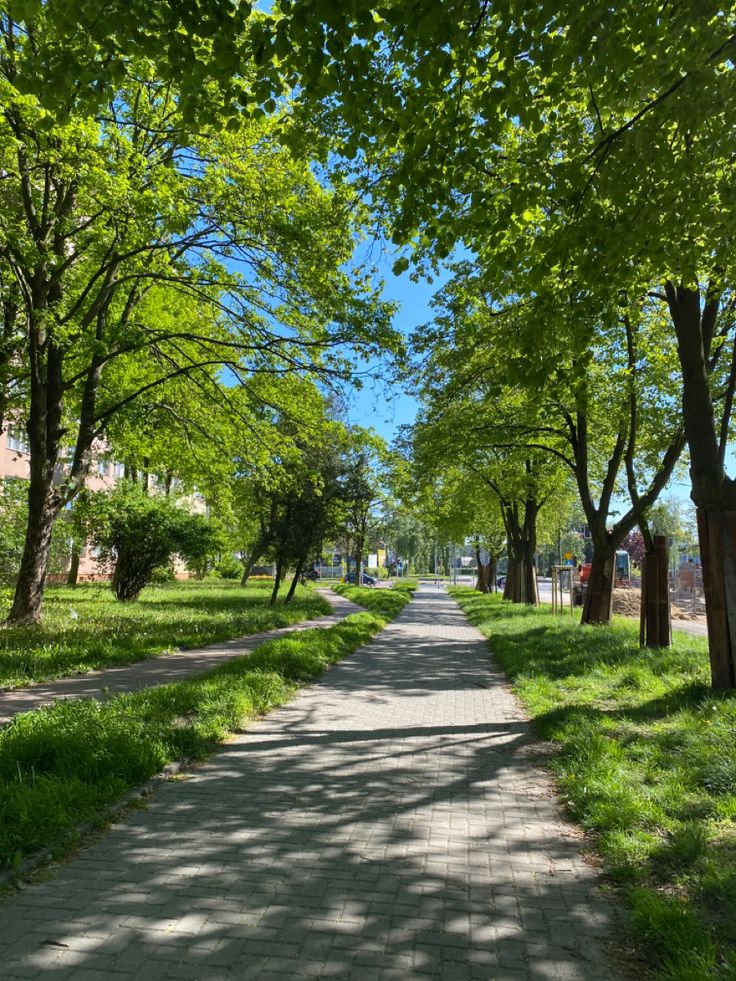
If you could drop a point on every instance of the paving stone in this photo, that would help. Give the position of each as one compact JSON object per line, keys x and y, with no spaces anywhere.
{"x":388,"y":822}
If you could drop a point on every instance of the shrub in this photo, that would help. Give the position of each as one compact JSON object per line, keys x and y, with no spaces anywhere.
{"x":229,"y":568}
{"x":198,"y":539}
{"x":139,"y":534}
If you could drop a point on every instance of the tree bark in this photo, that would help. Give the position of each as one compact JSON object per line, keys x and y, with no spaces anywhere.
{"x":713,"y":491}
{"x":359,"y":561}
{"x":598,"y":605}
{"x":482,"y":581}
{"x":43,"y":510}
{"x":511,"y":576}
{"x":294,"y":581}
{"x":521,"y":582}
{"x":521,"y":577}
{"x":655,"y":625}
{"x":277,"y":581}
{"x":73,"y":574}
{"x":45,"y":500}
{"x":717,"y":534}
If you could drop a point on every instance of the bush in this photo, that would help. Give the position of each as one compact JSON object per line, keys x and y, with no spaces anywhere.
{"x":229,"y":568}
{"x":198,"y":539}
{"x":139,"y":534}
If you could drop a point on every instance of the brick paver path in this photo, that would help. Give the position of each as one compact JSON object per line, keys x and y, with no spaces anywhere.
{"x":158,"y":670}
{"x":387,"y":823}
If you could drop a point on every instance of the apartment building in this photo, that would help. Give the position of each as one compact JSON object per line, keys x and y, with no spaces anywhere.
{"x":103,"y":475}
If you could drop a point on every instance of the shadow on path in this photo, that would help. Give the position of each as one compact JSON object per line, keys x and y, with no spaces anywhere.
{"x":387,"y":823}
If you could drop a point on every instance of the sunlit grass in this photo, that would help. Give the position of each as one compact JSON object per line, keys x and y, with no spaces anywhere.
{"x":379,"y":600}
{"x":646,"y":763}
{"x":87,"y":627}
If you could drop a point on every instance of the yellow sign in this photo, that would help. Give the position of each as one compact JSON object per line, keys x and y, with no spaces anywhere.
{"x":568,"y":555}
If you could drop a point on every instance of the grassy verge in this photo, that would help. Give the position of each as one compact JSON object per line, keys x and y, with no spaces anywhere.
{"x":383,"y":602}
{"x":66,"y":764}
{"x":87,"y":627}
{"x":646,"y":762}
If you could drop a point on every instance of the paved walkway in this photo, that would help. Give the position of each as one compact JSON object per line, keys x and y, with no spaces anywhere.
{"x":158,"y":670}
{"x":387,"y":823}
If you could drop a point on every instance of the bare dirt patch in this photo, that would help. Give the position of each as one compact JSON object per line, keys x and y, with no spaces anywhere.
{"x":626,"y":603}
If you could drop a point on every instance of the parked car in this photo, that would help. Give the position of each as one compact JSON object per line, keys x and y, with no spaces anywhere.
{"x":366,"y":580}
{"x":500,"y":581}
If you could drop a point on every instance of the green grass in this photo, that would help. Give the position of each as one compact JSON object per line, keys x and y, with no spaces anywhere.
{"x":66,"y":764}
{"x":87,"y":627}
{"x":383,"y":602}
{"x":646,"y":763}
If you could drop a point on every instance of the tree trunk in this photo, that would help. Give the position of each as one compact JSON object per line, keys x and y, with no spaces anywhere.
{"x":655,"y":629}
{"x":277,"y":581}
{"x":521,"y":582}
{"x":713,"y":492}
{"x":73,"y":574}
{"x":492,"y":574}
{"x":359,"y":563}
{"x":482,"y":581}
{"x":511,"y":576}
{"x":43,"y":509}
{"x":248,"y":564}
{"x":247,"y":570}
{"x":717,"y":535}
{"x":521,"y":539}
{"x":530,"y":592}
{"x":294,"y":581}
{"x":598,"y":605}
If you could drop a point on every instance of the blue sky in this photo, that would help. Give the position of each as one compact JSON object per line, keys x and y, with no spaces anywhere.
{"x":381,"y":404}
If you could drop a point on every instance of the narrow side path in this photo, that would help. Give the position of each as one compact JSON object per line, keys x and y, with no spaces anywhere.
{"x":387,"y":823}
{"x":159,"y":670}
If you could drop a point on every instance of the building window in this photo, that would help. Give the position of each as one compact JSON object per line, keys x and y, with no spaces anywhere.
{"x":16,"y":440}
{"x":119,"y":470}
{"x":102,"y":468}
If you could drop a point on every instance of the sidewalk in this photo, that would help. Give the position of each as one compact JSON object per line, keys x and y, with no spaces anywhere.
{"x":158,"y":670}
{"x":387,"y":823}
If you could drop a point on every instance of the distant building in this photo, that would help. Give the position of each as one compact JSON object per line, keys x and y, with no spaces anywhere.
{"x":103,"y":475}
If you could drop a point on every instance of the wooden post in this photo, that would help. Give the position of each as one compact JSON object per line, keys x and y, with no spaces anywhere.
{"x":558,"y":597}
{"x":655,"y":623}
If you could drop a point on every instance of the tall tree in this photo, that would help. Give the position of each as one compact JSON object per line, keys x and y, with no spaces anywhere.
{"x":362,"y":493}
{"x":145,"y":252}
{"x":593,"y":388}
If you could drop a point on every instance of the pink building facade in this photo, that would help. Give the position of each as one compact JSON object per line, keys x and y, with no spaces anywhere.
{"x":103,"y":475}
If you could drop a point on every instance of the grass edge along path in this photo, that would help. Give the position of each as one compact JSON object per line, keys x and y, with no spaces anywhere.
{"x":645,"y":763}
{"x":380,"y":600}
{"x":65,"y":766}
{"x":86,"y":629}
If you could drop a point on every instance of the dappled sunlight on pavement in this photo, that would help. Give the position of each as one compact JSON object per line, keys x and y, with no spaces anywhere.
{"x":388,"y":823}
